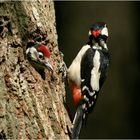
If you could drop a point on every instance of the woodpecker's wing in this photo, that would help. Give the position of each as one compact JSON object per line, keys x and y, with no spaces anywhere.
{"x":87,"y":65}
{"x":94,"y":67}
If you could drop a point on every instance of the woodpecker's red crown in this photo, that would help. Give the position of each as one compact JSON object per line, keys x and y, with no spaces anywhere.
{"x":45,"y":50}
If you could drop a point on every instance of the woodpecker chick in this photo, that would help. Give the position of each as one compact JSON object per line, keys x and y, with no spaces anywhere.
{"x":87,"y":73}
{"x":38,"y":55}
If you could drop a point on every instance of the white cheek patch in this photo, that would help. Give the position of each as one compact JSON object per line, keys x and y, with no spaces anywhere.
{"x":28,"y":50}
{"x":32,"y":52}
{"x":104,"y":31}
{"x":89,"y":33}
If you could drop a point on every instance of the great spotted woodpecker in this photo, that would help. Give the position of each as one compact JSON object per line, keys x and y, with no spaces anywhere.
{"x":38,"y":56}
{"x":87,"y":74}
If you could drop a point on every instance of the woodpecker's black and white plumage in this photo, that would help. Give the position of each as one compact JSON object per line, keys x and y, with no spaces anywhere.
{"x":87,"y":73}
{"x":38,"y":55}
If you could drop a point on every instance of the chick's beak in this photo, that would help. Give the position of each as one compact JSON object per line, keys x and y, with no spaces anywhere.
{"x":48,"y":66}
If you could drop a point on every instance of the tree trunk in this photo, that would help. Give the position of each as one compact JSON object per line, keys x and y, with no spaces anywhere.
{"x":30,"y":107}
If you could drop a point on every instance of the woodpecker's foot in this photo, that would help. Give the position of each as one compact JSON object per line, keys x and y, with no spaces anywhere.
{"x":63,"y":70}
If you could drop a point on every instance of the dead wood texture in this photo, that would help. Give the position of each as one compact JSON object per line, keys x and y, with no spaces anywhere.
{"x":30,"y":107}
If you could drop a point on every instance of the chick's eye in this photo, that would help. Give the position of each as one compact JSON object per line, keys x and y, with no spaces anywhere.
{"x":41,"y":56}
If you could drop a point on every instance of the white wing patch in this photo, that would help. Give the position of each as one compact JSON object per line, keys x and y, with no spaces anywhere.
{"x":95,"y":74}
{"x":86,"y":88}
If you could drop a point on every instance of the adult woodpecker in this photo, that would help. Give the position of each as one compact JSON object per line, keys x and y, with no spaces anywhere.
{"x":38,"y":56}
{"x":87,"y":73}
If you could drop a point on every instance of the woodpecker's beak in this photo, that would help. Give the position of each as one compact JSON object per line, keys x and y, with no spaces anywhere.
{"x":101,"y":42}
{"x":48,"y":66}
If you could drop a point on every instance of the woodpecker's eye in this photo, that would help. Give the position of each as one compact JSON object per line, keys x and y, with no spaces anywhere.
{"x":40,"y":55}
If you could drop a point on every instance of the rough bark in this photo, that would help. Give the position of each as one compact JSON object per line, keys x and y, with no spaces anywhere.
{"x":30,"y":107}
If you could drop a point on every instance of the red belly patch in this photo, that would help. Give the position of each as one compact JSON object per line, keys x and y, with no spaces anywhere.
{"x":76,"y":93}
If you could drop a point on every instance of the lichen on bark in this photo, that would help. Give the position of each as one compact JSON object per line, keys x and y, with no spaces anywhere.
{"x":30,"y":107}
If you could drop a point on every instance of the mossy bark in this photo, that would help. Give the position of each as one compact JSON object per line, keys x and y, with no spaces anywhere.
{"x":30,"y":107}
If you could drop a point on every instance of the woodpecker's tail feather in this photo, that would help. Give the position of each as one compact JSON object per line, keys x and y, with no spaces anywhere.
{"x":81,"y":116}
{"x":79,"y":120}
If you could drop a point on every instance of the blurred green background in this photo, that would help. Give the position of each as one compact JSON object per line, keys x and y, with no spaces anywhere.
{"x":117,"y":112}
